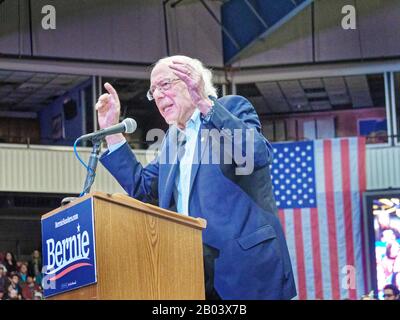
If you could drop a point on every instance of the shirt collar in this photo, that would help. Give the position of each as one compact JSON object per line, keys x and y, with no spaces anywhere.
{"x":193,"y":122}
{"x":193,"y":119}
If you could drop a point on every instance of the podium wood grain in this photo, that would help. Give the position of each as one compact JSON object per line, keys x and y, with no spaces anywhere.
{"x":143,"y":252}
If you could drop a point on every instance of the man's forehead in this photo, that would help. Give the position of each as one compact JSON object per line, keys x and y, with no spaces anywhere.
{"x":161,"y":71}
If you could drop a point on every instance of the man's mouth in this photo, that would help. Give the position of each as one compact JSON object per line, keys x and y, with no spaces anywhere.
{"x":168,"y":109}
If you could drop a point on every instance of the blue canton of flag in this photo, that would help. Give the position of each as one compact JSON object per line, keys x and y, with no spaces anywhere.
{"x":293,"y":175}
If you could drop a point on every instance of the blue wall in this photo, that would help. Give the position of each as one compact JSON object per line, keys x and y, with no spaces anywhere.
{"x":73,"y":128}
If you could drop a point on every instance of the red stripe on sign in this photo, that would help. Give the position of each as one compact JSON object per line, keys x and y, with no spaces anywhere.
{"x":348,"y":209}
{"x":362,"y":185}
{"x":319,"y":293}
{"x":281,"y":215}
{"x":330,"y":209}
{"x":68,"y":270}
{"x":301,"y":270}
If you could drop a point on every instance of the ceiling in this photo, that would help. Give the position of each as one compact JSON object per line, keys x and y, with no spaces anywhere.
{"x":32,"y":91}
{"x":132,"y":94}
{"x":318,"y":94}
{"x":245,"y":24}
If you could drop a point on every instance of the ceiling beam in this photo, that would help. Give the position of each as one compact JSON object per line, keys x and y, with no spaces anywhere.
{"x":77,"y":68}
{"x":18,"y":114}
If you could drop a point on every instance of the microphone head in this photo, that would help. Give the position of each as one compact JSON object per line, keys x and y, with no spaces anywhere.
{"x":130,"y":125}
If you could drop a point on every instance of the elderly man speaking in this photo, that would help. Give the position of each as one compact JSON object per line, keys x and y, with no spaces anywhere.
{"x":245,"y":253}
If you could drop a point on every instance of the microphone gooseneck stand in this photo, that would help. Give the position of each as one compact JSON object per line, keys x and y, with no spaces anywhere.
{"x":93,"y":160}
{"x":91,"y":172}
{"x":128,"y":126}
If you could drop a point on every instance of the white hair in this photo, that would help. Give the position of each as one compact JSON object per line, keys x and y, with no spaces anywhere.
{"x":209,"y":88}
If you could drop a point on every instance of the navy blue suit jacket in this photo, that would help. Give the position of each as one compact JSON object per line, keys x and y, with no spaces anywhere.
{"x":240,"y":210}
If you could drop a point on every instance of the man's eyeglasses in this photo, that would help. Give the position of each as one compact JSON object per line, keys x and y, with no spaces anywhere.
{"x":388,"y":295}
{"x":162,"y":86}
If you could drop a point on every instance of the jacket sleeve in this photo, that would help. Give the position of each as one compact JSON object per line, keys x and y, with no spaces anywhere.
{"x":139,"y":182}
{"x":237,"y":120}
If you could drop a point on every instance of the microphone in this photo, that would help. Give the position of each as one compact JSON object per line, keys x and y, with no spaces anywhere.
{"x":128,"y":126}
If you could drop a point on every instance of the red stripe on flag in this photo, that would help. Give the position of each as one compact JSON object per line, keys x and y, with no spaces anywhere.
{"x":281,"y":215}
{"x":319,"y":293}
{"x":330,"y":208}
{"x":347,"y":208}
{"x":301,"y":270}
{"x":361,"y":164}
{"x":362,"y":185}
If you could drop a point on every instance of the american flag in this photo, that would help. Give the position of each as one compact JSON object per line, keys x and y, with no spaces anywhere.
{"x":318,"y":187}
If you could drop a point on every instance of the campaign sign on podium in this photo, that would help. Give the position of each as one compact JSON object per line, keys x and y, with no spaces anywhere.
{"x":68,"y":245}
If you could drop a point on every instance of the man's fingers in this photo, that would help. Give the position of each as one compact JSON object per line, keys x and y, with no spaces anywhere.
{"x":181,"y":63}
{"x":181,"y":68}
{"x":104,"y":97}
{"x":107,"y":100}
{"x":184,"y":77}
{"x":111,"y":91}
{"x":100,"y":107}
{"x":103,"y":100}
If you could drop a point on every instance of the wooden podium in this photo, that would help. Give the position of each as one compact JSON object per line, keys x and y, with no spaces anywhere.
{"x":142,"y":251}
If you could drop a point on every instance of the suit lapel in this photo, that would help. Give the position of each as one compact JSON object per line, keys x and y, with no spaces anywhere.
{"x":170,"y":167}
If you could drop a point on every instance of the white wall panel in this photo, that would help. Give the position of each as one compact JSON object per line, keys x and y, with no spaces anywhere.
{"x":194,"y":32}
{"x":375,"y":35}
{"x":383,"y":168}
{"x":379,"y":22}
{"x":51,"y":169}
{"x":9,"y":28}
{"x":332,"y":42}
{"x":56,"y":170}
{"x":123,"y":30}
